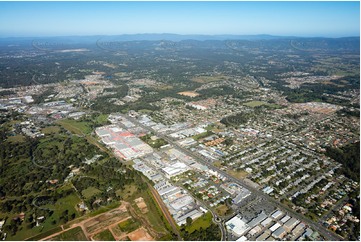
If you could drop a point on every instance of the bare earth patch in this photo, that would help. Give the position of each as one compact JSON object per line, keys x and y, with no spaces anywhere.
{"x":140,"y":235}
{"x":189,"y":94}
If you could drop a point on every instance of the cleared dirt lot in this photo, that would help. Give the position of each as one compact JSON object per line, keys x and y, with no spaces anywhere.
{"x":140,"y":235}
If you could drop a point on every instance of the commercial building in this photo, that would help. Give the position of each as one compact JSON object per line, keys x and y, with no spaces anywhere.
{"x":279,"y":233}
{"x":275,"y":226}
{"x":266,"y":222}
{"x":285,"y":219}
{"x":125,"y":144}
{"x":276,"y":215}
{"x":299,"y":228}
{"x":237,"y":226}
{"x":290,"y":224}
{"x":260,"y":217}
{"x":262,"y":237}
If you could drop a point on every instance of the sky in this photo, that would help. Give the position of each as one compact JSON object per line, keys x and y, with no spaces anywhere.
{"x":306,"y":19}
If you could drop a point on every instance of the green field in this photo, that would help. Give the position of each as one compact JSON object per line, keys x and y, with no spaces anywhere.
{"x":51,"y":130}
{"x":45,"y":234}
{"x":67,"y":203}
{"x":75,"y":126}
{"x":202,"y":222}
{"x":207,"y":79}
{"x":238,"y":174}
{"x":127,"y":192}
{"x":253,"y":104}
{"x":16,"y":139}
{"x":101,"y":119}
{"x":129,"y":225}
{"x":105,"y":235}
{"x":76,"y":234}
{"x":202,"y":135}
{"x":90,"y":191}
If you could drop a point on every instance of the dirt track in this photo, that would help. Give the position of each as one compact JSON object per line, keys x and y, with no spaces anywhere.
{"x":97,"y":220}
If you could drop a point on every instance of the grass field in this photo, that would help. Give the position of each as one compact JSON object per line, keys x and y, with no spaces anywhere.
{"x":253,"y":104}
{"x":127,"y":192}
{"x":217,"y":163}
{"x":105,"y":235}
{"x":204,"y":221}
{"x":47,"y":228}
{"x":44,"y":234}
{"x":102,"y":119}
{"x":202,"y":135}
{"x":51,"y":130}
{"x":75,"y":126}
{"x":75,"y":234}
{"x":81,"y":128}
{"x":221,"y":210}
{"x":129,"y":225}
{"x":90,"y":191}
{"x":207,"y":79}
{"x":16,"y":139}
{"x":237,"y":174}
{"x":155,"y":215}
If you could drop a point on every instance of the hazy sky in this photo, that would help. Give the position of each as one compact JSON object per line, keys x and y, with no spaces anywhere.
{"x":329,"y":19}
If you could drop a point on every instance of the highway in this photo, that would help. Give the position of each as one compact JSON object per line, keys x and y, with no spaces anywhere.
{"x":329,"y":235}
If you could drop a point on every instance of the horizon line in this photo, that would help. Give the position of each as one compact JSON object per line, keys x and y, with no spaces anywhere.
{"x":200,"y":35}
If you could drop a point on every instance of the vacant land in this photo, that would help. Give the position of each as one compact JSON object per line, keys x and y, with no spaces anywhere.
{"x":75,"y":126}
{"x":90,"y":191}
{"x":51,"y":130}
{"x":127,"y":192}
{"x":16,"y":138}
{"x":189,"y":94}
{"x":105,"y":235}
{"x":253,"y":104}
{"x":237,"y":174}
{"x":76,"y":234}
{"x":221,"y":210}
{"x":140,"y":235}
{"x":106,"y":219}
{"x":207,"y":79}
{"x":202,"y":222}
{"x":129,"y":225}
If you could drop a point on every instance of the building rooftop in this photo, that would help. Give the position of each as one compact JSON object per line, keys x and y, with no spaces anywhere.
{"x":237,"y":225}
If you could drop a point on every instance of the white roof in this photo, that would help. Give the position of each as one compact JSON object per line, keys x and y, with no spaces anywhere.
{"x":275,"y":226}
{"x":277,"y":214}
{"x":285,"y":219}
{"x":266,"y":222}
{"x":237,"y":225}
{"x":243,"y":238}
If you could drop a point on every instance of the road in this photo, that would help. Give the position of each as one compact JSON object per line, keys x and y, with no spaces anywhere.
{"x":327,"y":233}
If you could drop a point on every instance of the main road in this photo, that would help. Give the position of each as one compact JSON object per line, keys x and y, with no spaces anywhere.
{"x":325,"y":232}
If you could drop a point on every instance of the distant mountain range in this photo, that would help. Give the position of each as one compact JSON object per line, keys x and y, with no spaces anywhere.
{"x":159,"y":37}
{"x":176,"y":41}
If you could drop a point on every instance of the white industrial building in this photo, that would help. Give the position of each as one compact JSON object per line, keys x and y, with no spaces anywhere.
{"x":237,"y":226}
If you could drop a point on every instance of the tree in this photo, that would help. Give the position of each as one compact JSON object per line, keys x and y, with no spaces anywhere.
{"x":189,"y":221}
